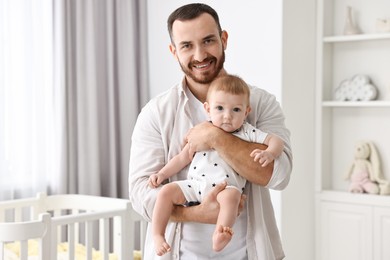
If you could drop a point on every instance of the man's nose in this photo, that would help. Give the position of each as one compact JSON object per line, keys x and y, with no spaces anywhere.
{"x":200,"y":54}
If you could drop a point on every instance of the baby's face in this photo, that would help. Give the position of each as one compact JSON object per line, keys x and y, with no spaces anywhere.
{"x":227,"y":111}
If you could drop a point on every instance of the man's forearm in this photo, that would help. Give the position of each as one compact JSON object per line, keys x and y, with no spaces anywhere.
{"x":191,"y":214}
{"x":207,"y":212}
{"x":236,"y":152}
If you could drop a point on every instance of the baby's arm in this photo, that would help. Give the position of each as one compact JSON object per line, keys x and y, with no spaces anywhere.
{"x":177,"y":163}
{"x":274,"y":150}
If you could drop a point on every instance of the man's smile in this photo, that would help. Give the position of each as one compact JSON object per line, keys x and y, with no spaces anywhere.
{"x":203,"y":65}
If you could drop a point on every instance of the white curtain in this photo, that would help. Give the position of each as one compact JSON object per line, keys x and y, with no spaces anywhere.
{"x":80,"y":93}
{"x":29,"y":130}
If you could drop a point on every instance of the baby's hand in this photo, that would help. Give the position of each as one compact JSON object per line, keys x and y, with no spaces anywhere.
{"x":154,"y":181}
{"x":262,"y":156}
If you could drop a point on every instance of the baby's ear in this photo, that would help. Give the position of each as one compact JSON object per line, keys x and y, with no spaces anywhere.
{"x":248,"y":110}
{"x":206,"y":106}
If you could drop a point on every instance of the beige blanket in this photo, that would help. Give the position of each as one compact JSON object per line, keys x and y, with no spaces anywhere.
{"x":12,"y":252}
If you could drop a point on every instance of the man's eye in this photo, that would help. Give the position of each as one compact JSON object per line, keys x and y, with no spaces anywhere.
{"x":185,"y":46}
{"x":208,"y":41}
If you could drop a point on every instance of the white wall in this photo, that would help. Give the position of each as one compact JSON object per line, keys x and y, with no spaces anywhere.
{"x":298,"y":103}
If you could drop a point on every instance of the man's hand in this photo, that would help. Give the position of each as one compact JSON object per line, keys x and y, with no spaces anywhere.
{"x":206,"y":212}
{"x":210,"y":206}
{"x":200,"y":137}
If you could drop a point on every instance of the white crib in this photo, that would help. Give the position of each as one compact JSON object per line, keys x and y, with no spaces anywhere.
{"x":108,"y":225}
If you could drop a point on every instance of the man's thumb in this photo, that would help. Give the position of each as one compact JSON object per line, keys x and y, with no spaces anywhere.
{"x":219,"y":187}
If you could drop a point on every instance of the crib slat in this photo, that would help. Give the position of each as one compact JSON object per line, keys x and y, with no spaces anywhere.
{"x":2,"y":245}
{"x":131,"y":241}
{"x":104,"y":233}
{"x":23,"y":250}
{"x":41,"y":252}
{"x":143,"y":228}
{"x":71,"y":241}
{"x":18,"y":215}
{"x":76,"y":227}
{"x":88,"y":239}
{"x":116,"y":236}
{"x":53,"y":243}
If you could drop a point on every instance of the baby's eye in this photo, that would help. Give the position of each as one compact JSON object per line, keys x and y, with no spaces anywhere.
{"x":219,"y":108}
{"x":236,"y":109}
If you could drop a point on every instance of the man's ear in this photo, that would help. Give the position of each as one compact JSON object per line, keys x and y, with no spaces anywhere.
{"x":224,"y":38}
{"x":172,"y":49}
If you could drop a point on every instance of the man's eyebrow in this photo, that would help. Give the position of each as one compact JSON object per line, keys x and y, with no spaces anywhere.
{"x":208,"y":37}
{"x":184,"y":42}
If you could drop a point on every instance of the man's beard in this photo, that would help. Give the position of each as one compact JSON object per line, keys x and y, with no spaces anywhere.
{"x":208,"y":77}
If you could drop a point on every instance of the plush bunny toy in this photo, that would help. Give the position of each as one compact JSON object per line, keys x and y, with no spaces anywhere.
{"x":365,"y":173}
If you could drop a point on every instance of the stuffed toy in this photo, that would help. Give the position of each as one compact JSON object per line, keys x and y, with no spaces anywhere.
{"x":365,"y":173}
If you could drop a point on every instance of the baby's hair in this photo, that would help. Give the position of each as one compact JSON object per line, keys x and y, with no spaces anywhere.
{"x":230,"y":84}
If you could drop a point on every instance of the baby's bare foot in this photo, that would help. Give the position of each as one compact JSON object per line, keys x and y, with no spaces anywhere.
{"x":161,"y":246}
{"x":221,"y":237}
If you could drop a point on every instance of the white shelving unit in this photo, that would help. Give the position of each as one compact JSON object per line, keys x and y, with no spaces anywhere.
{"x":357,"y":37}
{"x":350,"y":226}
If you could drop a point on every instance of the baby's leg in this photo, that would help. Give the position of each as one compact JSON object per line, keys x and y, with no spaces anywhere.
{"x":169,"y":195}
{"x":229,"y":200}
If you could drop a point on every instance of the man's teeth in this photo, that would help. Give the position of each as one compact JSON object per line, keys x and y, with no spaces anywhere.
{"x":201,"y":66}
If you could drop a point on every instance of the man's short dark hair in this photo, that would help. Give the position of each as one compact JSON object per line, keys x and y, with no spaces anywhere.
{"x":189,"y":12}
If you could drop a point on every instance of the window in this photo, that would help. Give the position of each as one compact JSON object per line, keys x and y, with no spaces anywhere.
{"x":29,"y":107}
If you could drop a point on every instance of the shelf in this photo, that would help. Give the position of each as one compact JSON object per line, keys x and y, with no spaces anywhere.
{"x":350,"y":225}
{"x":357,"y":37}
{"x":356,"y":103}
{"x":354,"y":198}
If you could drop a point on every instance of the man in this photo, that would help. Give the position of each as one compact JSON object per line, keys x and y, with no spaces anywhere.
{"x":198,"y":43}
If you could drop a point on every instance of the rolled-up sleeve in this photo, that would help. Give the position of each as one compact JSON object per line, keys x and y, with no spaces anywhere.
{"x":281,"y":174}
